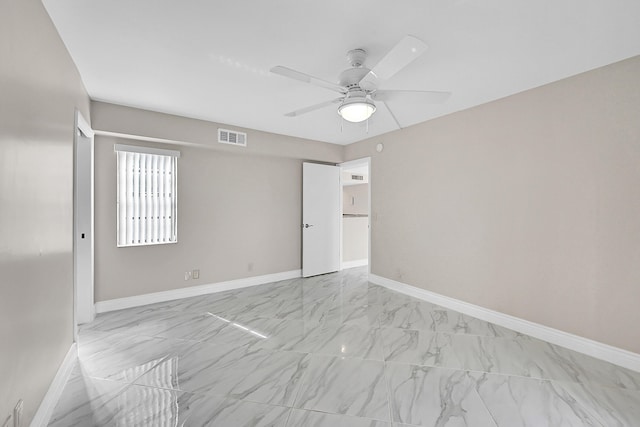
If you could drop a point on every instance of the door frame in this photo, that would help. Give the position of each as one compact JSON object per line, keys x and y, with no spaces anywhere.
{"x":83,"y":293}
{"x":347,"y":165}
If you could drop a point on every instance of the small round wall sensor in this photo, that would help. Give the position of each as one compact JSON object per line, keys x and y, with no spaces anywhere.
{"x":379,"y":148}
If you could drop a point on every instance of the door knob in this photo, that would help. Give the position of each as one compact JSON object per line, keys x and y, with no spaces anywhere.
{"x":307,"y":225}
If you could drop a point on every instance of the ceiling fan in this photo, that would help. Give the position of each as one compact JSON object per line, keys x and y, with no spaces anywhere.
{"x":358,"y":85}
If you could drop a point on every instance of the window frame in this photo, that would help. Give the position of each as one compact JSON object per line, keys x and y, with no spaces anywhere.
{"x":174,"y":155}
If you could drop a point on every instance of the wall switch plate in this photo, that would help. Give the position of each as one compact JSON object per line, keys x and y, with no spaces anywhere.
{"x":187,"y":275}
{"x":196,"y":274}
{"x":17,"y":414}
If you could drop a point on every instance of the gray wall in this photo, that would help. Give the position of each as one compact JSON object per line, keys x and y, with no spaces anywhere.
{"x":239,"y":209}
{"x":360,"y":193}
{"x":39,"y":91}
{"x":529,"y":205}
{"x":118,"y":119}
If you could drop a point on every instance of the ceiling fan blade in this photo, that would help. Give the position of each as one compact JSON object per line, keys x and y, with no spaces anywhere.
{"x":297,"y":75}
{"x":422,"y":96}
{"x":313,"y":107}
{"x":392,"y":115}
{"x":401,"y":55}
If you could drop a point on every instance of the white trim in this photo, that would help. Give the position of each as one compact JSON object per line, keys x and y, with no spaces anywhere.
{"x":615,"y":355}
{"x":356,"y":263}
{"x":146,"y":138}
{"x":139,"y":300}
{"x":83,"y":125}
{"x":146,"y":150}
{"x":370,"y":212}
{"x":83,"y":293}
{"x":345,"y":165}
{"x":341,"y":240}
{"x":48,"y":404}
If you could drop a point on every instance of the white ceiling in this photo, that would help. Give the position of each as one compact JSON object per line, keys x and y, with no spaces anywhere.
{"x":211,"y":59}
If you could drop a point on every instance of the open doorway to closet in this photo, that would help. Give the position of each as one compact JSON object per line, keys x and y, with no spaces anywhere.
{"x":356,"y":208}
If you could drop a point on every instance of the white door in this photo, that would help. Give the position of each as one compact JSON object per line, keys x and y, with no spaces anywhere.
{"x":83,"y":223}
{"x":320,"y":219}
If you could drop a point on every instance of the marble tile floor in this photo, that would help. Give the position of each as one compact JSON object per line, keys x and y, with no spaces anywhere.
{"x":331,"y":351}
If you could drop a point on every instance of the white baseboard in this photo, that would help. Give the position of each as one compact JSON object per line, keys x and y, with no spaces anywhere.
{"x":577,"y":343}
{"x":356,"y":263}
{"x":48,"y":404}
{"x":193,"y":291}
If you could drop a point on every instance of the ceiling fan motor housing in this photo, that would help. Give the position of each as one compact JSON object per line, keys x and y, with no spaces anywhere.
{"x":351,"y":77}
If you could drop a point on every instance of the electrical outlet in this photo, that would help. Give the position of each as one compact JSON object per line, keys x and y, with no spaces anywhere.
{"x":17,"y":414}
{"x":187,"y":275}
{"x":196,"y":274}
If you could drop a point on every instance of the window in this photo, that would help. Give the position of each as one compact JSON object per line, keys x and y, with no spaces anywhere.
{"x":146,"y":195}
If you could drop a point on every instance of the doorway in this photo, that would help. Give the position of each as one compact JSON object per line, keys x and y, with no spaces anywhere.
{"x":83,"y":228}
{"x":356,"y":208}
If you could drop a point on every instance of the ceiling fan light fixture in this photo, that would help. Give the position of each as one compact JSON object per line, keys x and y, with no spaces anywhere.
{"x":356,"y":110}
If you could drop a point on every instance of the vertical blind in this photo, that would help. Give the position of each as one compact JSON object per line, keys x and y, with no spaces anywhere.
{"x":146,"y":199}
